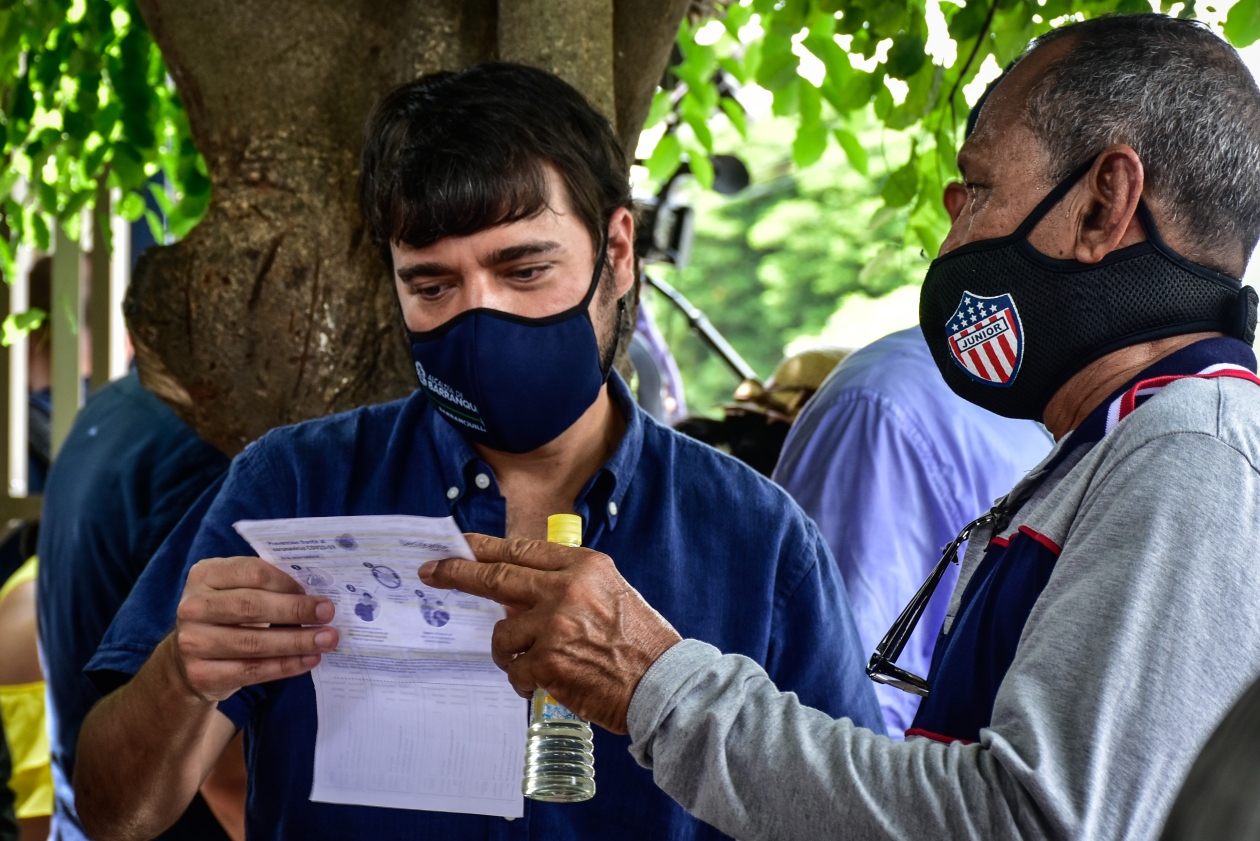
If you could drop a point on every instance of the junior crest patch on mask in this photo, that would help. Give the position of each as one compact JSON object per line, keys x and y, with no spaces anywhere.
{"x":986,"y":338}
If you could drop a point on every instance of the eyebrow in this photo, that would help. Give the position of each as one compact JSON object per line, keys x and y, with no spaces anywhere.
{"x":495,"y":258}
{"x":525,"y":249}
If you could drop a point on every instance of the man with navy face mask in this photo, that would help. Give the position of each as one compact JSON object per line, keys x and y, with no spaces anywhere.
{"x":500,"y":201}
{"x":1106,"y":613}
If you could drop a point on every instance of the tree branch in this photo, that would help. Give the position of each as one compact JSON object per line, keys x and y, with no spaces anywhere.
{"x":984,"y":31}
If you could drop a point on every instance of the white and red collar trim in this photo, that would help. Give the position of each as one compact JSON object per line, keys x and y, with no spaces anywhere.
{"x":1124,"y":405}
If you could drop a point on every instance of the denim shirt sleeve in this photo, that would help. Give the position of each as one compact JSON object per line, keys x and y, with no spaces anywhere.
{"x":815,"y":649}
{"x":252,"y":489}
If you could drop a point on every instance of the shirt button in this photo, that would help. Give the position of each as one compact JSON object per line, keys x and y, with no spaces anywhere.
{"x":482,"y":481}
{"x":452,"y":492}
{"x":612,"y":508}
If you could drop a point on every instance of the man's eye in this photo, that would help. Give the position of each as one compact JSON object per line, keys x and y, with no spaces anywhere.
{"x":528,"y":273}
{"x":429,"y":292}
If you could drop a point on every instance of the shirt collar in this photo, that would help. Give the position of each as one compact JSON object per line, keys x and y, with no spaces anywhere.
{"x":1187,"y":361}
{"x":601,"y":498}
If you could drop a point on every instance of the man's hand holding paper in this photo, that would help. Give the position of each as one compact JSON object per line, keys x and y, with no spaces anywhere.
{"x":579,"y":629}
{"x":222,"y":632}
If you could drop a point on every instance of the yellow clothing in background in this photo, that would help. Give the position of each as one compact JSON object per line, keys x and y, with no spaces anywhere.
{"x":25,"y":728}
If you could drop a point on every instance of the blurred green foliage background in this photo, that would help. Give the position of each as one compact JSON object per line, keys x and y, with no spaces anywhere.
{"x":864,"y":103}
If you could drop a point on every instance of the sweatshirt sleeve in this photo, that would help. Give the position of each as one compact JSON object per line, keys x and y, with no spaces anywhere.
{"x":1143,"y":637}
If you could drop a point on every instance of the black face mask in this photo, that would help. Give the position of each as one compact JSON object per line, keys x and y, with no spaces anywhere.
{"x":1008,"y":326}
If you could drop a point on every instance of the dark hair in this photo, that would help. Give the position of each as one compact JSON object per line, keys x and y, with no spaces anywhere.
{"x":451,"y":154}
{"x":1180,"y":96}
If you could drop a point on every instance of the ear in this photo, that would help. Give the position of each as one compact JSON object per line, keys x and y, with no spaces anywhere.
{"x":1106,"y":218}
{"x":621,"y":249}
{"x":955,"y":199}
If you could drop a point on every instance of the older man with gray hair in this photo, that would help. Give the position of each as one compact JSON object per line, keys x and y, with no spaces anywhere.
{"x":1108,"y":608}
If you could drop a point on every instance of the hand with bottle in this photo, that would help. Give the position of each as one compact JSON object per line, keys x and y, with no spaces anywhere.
{"x":575,"y":627}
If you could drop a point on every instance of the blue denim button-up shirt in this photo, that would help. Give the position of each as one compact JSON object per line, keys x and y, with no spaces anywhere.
{"x":721,"y":552}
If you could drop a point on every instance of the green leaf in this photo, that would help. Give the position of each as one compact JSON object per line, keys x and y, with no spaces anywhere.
{"x":787,"y":100}
{"x":185,"y":215}
{"x":665,"y":157}
{"x":752,"y":59}
{"x":810,"y":103}
{"x":702,"y":169}
{"x":810,"y":143}
{"x":853,"y":150}
{"x":906,"y":55}
{"x":1242,"y":25}
{"x":968,"y":21}
{"x":156,"y":228}
{"x":131,"y":207}
{"x":927,"y":238}
{"x":40,"y":232}
{"x":47,"y":194}
{"x":23,"y":107}
{"x":882,"y":217}
{"x":735,"y":17}
{"x":20,"y":324}
{"x":853,"y":92}
{"x":736,"y":68}
{"x":887,"y":18}
{"x":128,"y":167}
{"x":661,"y":106}
{"x":826,"y":50}
{"x":94,"y":159}
{"x":879,"y":266}
{"x":697,"y":116}
{"x":76,"y":125}
{"x":735,"y":113}
{"x":902,"y":185}
{"x":883,"y":102}
{"x":76,"y":203}
{"x":777,"y":68}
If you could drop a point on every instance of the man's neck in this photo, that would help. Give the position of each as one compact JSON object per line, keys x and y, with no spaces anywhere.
{"x":1094,"y":383}
{"x":547,"y":480}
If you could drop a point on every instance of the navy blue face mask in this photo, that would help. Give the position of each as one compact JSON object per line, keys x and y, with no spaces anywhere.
{"x":508,"y":382}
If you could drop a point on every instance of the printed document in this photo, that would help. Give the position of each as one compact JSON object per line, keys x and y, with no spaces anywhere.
{"x":413,"y":714}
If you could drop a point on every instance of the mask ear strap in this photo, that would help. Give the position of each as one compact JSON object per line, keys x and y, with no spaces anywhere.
{"x":1240,"y":322}
{"x":599,"y":273}
{"x":1052,"y":198}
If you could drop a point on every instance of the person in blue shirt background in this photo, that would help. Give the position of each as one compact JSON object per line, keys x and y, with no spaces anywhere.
{"x":501,"y":202}
{"x":125,"y":475}
{"x":891,"y":465}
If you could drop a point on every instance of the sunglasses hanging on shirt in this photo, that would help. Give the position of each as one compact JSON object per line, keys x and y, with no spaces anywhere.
{"x":883,"y":667}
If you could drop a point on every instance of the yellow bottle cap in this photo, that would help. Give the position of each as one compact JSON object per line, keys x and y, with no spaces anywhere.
{"x":564,"y":528}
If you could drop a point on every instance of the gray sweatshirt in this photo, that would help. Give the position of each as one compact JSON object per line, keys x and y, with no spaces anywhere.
{"x":1145,"y":634}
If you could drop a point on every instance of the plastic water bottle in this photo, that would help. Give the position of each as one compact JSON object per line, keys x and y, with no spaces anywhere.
{"x":560,"y":751}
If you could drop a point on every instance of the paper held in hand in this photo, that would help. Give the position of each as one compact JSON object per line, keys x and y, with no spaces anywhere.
{"x":412,"y":712}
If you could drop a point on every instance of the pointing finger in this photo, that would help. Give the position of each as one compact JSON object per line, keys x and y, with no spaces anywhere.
{"x":518,"y":551}
{"x":503,"y":583}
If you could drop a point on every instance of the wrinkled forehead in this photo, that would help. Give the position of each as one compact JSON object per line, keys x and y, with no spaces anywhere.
{"x":1001,"y":133}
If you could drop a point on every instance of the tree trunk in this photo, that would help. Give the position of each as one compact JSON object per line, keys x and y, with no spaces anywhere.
{"x":276,"y":309}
